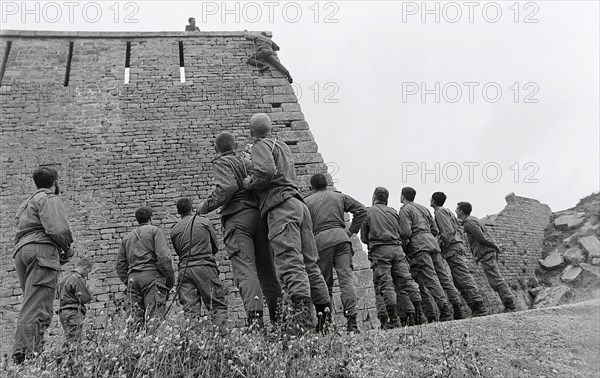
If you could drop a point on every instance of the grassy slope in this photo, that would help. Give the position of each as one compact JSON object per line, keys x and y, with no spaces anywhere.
{"x":552,"y":342}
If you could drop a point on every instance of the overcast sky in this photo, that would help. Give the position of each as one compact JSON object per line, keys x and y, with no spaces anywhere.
{"x":517,"y":87}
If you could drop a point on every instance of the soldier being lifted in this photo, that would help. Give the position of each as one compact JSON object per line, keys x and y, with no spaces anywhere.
{"x":145,"y":266}
{"x":245,"y":231}
{"x":288,"y":219}
{"x":485,"y":251}
{"x":451,"y":244}
{"x":42,"y":245}
{"x":74,"y":295}
{"x":417,"y":226}
{"x":198,"y":272}
{"x":381,"y":233}
{"x":327,"y":210}
{"x":265,"y":51}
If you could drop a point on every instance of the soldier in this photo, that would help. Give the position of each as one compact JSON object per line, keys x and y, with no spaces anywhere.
{"x":265,"y":51}
{"x":289,"y":223}
{"x":485,"y":251}
{"x":418,"y":227}
{"x":245,"y":231}
{"x":42,"y":244}
{"x":451,"y":244}
{"x":327,"y":210}
{"x":198,"y":271}
{"x":192,"y":25}
{"x":381,"y":233}
{"x":74,"y":295}
{"x":145,"y":266}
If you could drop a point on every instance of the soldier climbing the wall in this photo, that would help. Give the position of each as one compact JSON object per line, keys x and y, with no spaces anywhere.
{"x":198,"y":271}
{"x":288,"y":219}
{"x":265,"y":51}
{"x":485,"y":251}
{"x":381,"y":233}
{"x":74,"y":295}
{"x":451,"y":244}
{"x":191,"y":27}
{"x":417,"y":226}
{"x":245,"y":231}
{"x":145,"y":266}
{"x":42,"y":244}
{"x":327,"y":209}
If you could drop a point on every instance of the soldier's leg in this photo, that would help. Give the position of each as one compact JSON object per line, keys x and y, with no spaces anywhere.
{"x":428,"y":276}
{"x":445,"y":278}
{"x":382,"y":314}
{"x":326,"y":266}
{"x":406,"y":288}
{"x":265,"y":268}
{"x":345,"y":276}
{"x":71,"y":321}
{"x":37,"y":268}
{"x":382,"y":272}
{"x":254,"y":60}
{"x":212,"y":291}
{"x":465,"y":282}
{"x":239,"y":243}
{"x":134,"y":302}
{"x":188,"y":295}
{"x":155,"y":292}
{"x":272,"y":59}
{"x":489,"y":263}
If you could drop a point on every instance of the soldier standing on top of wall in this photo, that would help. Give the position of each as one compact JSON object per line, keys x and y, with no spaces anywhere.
{"x":265,"y":51}
{"x":485,"y":251}
{"x":192,"y":25}
{"x":245,"y":234}
{"x":145,"y":266}
{"x":42,"y":245}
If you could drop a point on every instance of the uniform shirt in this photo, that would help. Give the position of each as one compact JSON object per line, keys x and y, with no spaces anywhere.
{"x":42,"y":219}
{"x":190,"y":28}
{"x":449,"y":228}
{"x":274,"y":177}
{"x":149,"y":251}
{"x":229,"y":172}
{"x":479,"y":238}
{"x":205,"y":244}
{"x":417,"y":225}
{"x":327,"y":210}
{"x":263,"y":43}
{"x":380,"y":227}
{"x":68,"y":287}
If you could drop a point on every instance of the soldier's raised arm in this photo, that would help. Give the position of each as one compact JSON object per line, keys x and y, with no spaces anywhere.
{"x":444,"y":224}
{"x":405,"y":224}
{"x":226,"y":186}
{"x":121,"y":265}
{"x":477,"y":234}
{"x":163,"y":255}
{"x":264,"y":167}
{"x":358,"y":211}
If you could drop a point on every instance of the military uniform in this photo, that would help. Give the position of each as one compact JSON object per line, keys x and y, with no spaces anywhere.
{"x":145,"y":266}
{"x":381,"y":233}
{"x":198,"y":271}
{"x":73,"y":295}
{"x":42,"y":233}
{"x":290,"y":226}
{"x":245,"y":235}
{"x":265,"y":51}
{"x":451,"y":244}
{"x":485,"y":251}
{"x":417,"y":225}
{"x":327,"y":210}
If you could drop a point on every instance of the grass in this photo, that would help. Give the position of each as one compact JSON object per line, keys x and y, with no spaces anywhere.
{"x":551,"y":342}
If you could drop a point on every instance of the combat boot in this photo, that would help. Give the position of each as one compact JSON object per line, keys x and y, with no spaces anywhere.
{"x":323,"y":317}
{"x":458,"y":313}
{"x":394,"y":320}
{"x":410,"y":319}
{"x":352,"y":326}
{"x":419,"y":317}
{"x":445,"y":313}
{"x":478,"y":309}
{"x":383,"y":322}
{"x":274,"y":306}
{"x":509,"y":306}
{"x":264,"y":68}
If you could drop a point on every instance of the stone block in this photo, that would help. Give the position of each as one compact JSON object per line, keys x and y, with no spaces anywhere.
{"x":554,"y":261}
{"x":570,"y":221}
{"x":551,"y":296}
{"x":574,"y":256}
{"x":591,"y":245}
{"x":570,"y":274}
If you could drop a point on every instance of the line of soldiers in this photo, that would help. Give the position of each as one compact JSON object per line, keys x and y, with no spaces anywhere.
{"x":277,"y":242}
